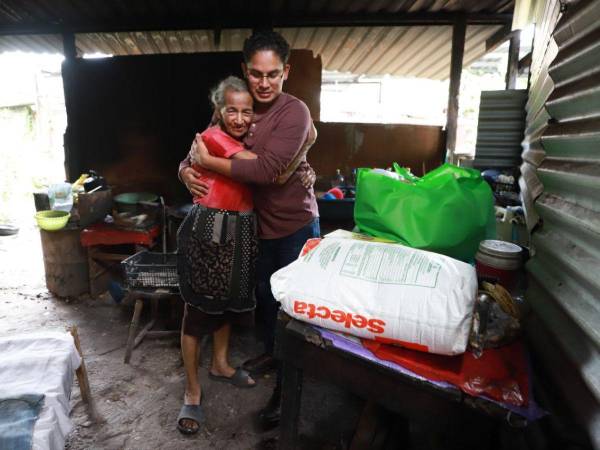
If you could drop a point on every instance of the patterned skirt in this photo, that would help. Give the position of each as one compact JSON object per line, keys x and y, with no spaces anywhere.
{"x":216,"y":259}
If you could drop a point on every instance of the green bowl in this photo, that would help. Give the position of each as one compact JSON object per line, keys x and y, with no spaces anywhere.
{"x":52,"y":220}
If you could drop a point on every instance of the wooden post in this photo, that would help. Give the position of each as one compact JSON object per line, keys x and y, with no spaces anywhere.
{"x":458,"y":48}
{"x":512,"y":69}
{"x":84,"y":382}
{"x":69,"y":47}
{"x":137,"y":312}
{"x":70,"y":52}
{"x":82,"y":378}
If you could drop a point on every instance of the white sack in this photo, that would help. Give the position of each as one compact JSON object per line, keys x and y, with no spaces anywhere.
{"x":381,"y":291}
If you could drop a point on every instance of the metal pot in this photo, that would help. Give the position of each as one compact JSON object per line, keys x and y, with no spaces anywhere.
{"x":136,"y":202}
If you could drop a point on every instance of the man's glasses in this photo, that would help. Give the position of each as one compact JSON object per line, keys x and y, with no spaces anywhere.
{"x":272,"y":77}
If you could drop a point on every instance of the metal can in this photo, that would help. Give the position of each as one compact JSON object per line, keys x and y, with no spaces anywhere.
{"x":500,"y":261}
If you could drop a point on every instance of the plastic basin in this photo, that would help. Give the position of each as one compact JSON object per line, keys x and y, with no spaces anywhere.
{"x":52,"y":220}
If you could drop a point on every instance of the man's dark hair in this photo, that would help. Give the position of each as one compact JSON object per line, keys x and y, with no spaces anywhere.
{"x":266,"y":40}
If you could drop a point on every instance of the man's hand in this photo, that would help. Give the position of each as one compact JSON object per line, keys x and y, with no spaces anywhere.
{"x":199,"y":152}
{"x":308,"y":178}
{"x":191,"y":179}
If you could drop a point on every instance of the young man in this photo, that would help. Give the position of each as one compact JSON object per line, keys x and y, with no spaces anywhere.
{"x":287,"y":213}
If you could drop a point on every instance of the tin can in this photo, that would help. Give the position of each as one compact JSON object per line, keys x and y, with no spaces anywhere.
{"x":500,"y":261}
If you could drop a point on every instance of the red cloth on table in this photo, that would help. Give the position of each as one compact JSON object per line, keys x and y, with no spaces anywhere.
{"x":500,"y":373}
{"x":223,"y":192}
{"x":105,"y":234}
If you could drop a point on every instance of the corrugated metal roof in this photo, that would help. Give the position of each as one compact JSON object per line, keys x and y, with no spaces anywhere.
{"x":418,"y":51}
{"x":117,"y":15}
{"x":500,"y":129}
{"x":564,"y":288}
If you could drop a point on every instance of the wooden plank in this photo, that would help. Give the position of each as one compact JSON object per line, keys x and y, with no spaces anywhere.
{"x":498,"y":38}
{"x":456,"y":61}
{"x":82,"y":378}
{"x":105,"y":256}
{"x":291,"y":395}
{"x":366,"y":431}
{"x":137,"y":312}
{"x":69,"y":48}
{"x":512,"y":69}
{"x":525,"y":63}
{"x":404,"y":395}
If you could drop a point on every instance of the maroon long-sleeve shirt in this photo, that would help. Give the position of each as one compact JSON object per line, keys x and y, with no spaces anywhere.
{"x":276,"y":136}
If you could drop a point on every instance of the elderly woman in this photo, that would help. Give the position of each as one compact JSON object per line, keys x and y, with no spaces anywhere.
{"x":217,"y":251}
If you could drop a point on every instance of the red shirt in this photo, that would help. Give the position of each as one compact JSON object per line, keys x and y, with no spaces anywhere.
{"x":223,"y":192}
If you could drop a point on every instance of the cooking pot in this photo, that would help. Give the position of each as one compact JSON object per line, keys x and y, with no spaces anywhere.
{"x":136,"y":202}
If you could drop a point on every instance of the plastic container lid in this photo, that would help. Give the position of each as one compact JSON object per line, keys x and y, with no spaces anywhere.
{"x":500,"y":254}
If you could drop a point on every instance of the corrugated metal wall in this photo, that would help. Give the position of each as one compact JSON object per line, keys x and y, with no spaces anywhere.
{"x":500,"y":129}
{"x":561,"y":182}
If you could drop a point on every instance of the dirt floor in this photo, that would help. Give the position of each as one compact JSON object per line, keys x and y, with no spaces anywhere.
{"x":139,"y":402}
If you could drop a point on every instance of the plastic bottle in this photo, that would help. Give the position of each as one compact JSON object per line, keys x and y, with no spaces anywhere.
{"x":338,"y":179}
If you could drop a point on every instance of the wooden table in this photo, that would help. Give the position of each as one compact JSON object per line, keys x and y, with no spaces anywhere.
{"x":102,"y":240}
{"x":302,"y":350}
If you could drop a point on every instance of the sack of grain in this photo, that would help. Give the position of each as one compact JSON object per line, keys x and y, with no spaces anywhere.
{"x":381,"y":291}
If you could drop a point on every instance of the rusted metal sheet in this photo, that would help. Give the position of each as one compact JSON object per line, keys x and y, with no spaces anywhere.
{"x":500,"y":129}
{"x":562,"y":172}
{"x":346,"y":146}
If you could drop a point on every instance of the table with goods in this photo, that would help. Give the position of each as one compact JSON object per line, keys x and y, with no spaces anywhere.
{"x":418,"y":311}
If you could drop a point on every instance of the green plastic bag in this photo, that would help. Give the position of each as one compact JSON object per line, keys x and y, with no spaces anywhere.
{"x":450,"y":210}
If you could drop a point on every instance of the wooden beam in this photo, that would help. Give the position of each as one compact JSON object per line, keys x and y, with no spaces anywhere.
{"x":498,"y":38}
{"x":512,"y":69}
{"x":232,"y":21}
{"x":69,"y":48}
{"x":81,"y":372}
{"x":456,"y":62}
{"x":525,"y":63}
{"x":83,"y":380}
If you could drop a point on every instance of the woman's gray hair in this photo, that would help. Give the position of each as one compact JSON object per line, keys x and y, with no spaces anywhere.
{"x":217,"y":95}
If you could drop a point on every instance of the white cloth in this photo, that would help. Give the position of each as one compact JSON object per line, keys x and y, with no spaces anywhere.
{"x":42,"y":363}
